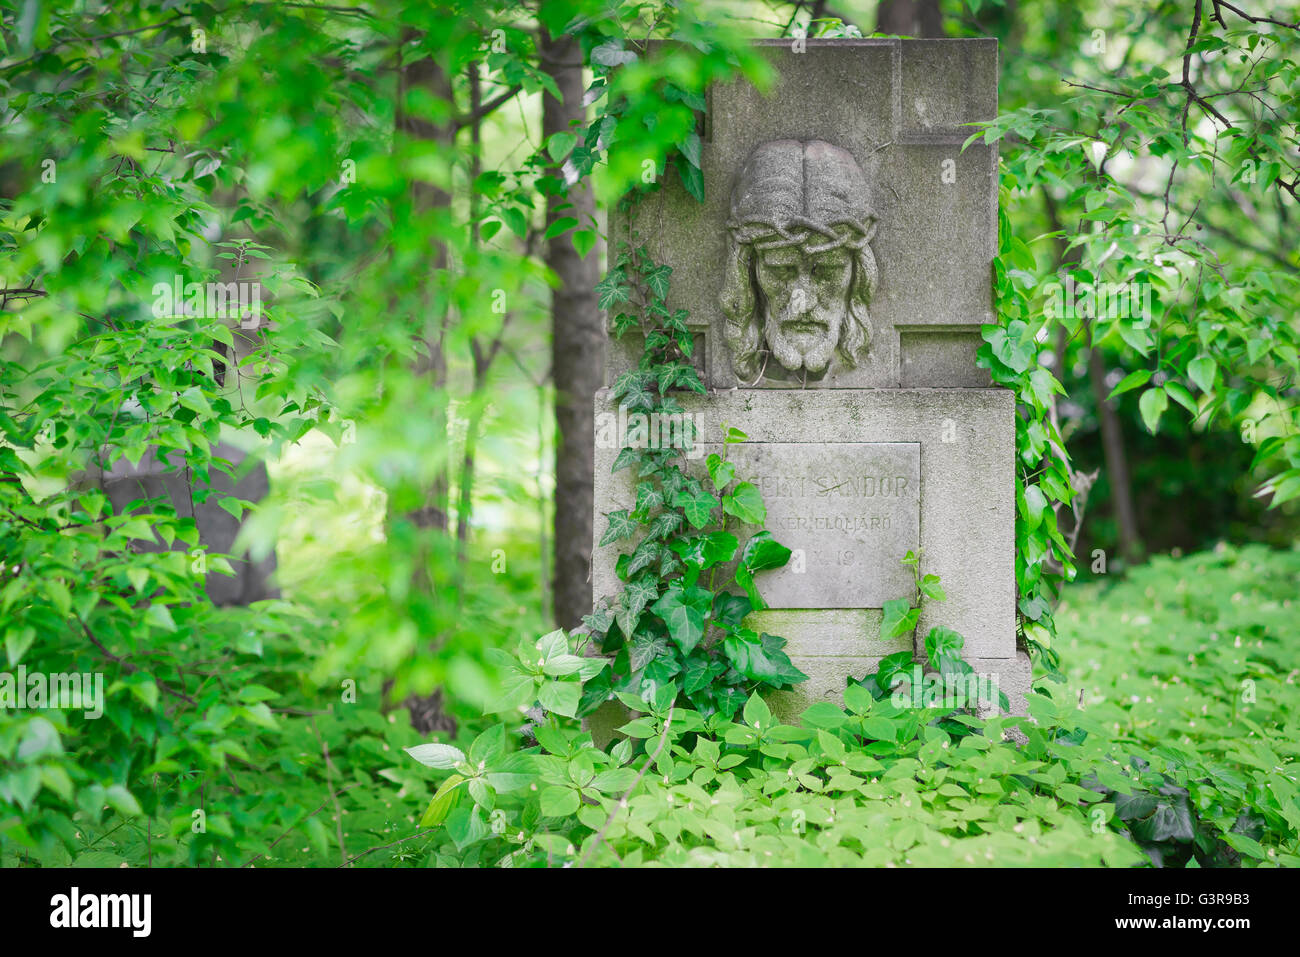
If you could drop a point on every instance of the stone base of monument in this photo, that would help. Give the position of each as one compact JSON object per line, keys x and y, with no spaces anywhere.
{"x":827,"y":679}
{"x":854,"y":479}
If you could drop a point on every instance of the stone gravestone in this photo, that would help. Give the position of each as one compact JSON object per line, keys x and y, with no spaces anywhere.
{"x":836,"y":277}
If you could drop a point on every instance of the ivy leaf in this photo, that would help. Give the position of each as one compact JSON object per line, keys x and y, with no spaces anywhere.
{"x":704,"y":551}
{"x":761,"y":660}
{"x":892,"y":666}
{"x":668,"y":564}
{"x":644,"y":649}
{"x":730,"y":610}
{"x":684,"y":611}
{"x":657,"y":280}
{"x":638,"y":593}
{"x":930,"y":587}
{"x":942,"y":643}
{"x":745,"y":579}
{"x":648,"y":498}
{"x":626,"y":456}
{"x":746,"y":503}
{"x":646,"y":554}
{"x":721,"y":472}
{"x":621,"y":525}
{"x":763,"y":551}
{"x":899,"y":619}
{"x":611,"y":290}
{"x":699,"y":673}
{"x":664,"y":525}
{"x":1033,"y":506}
{"x":599,"y":620}
{"x":698,"y":506}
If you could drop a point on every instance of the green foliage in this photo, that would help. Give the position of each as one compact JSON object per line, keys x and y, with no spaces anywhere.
{"x":874,"y":784}
{"x":1141,"y":148}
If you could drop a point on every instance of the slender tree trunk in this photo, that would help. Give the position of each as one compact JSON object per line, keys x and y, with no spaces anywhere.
{"x":577,"y":347}
{"x":428,"y":74}
{"x":910,"y":18}
{"x":1112,"y":443}
{"x":465,"y":507}
{"x":433,"y":513}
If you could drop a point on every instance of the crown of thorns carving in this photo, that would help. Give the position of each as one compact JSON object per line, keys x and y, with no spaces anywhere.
{"x":763,"y":234}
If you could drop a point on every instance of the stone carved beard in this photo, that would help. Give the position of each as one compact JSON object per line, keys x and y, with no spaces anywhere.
{"x":803,"y":335}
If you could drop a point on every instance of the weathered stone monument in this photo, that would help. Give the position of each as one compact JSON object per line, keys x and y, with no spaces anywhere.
{"x":837,"y":275}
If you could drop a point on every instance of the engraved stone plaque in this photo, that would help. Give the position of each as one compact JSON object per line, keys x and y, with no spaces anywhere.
{"x":853,"y":509}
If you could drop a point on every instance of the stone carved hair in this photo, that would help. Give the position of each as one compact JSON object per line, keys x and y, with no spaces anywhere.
{"x":796,"y":193}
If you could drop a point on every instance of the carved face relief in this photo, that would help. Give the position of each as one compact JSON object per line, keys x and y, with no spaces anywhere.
{"x":804,"y":303}
{"x":800,"y":272}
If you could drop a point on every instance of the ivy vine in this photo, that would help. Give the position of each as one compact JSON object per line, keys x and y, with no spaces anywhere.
{"x":688,"y":582}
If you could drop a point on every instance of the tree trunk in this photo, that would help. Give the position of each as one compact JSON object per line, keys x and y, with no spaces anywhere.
{"x":577,"y":348}
{"x":426,"y":73}
{"x":433,"y":513}
{"x":909,"y":18}
{"x":1112,"y":442}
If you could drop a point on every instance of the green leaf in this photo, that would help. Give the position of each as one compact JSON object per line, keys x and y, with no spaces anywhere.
{"x":1180,"y":394}
{"x":746,"y":504}
{"x":684,"y":611}
{"x":899,"y":618}
{"x":561,"y":697}
{"x":722,"y":473}
{"x":559,"y":227}
{"x":1202,"y":371}
{"x":942,"y":643}
{"x":122,"y":801}
{"x":890,"y":667}
{"x":621,"y":526}
{"x":762,"y":660}
{"x":648,"y":498}
{"x":757,"y":714}
{"x":1033,"y":506}
{"x":584,"y":240}
{"x":559,"y":145}
{"x":559,"y":801}
{"x":698,"y":506}
{"x":444,"y":800}
{"x":443,"y":757}
{"x":930,"y":588}
{"x":614,"y":780}
{"x":1131,"y":381}
{"x":762,"y":551}
{"x":705,"y":551}
{"x":1152,"y":405}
